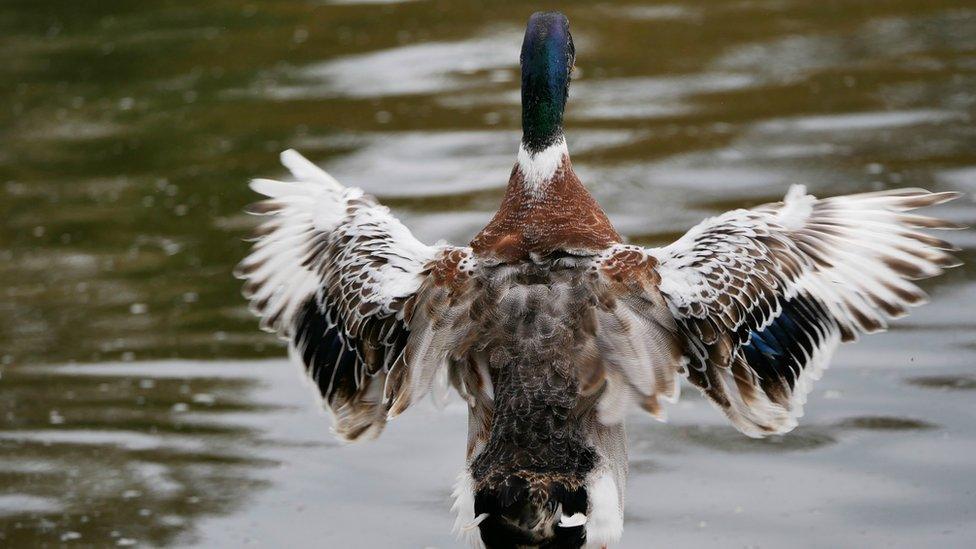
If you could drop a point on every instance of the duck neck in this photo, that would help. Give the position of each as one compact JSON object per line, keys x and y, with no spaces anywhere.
{"x":539,"y":167}
{"x":545,"y":209}
{"x":543,"y":104}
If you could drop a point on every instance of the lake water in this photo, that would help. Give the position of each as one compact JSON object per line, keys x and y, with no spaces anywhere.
{"x":140,"y":405}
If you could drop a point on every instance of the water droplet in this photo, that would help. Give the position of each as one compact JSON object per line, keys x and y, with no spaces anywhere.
{"x":55,"y":418}
{"x":204,"y":398}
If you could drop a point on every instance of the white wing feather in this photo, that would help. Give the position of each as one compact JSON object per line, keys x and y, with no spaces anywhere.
{"x":764,"y":296}
{"x":334,"y":273}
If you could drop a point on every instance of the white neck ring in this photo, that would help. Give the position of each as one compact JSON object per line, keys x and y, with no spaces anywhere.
{"x":538,"y":168}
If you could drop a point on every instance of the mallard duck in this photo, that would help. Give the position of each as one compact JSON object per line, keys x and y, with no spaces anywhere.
{"x":551,"y":327}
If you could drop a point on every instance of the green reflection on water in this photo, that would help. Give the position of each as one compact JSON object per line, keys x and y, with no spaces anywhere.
{"x":111,"y":459}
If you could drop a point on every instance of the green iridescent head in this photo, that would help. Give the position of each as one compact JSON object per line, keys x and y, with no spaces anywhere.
{"x":547,"y":59}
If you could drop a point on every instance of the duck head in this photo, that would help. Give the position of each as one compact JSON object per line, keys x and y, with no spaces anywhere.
{"x":547,"y":60}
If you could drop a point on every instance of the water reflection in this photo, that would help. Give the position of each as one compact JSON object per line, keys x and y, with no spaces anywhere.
{"x":123,"y":457}
{"x":963,"y":383}
{"x":127,"y":132}
{"x":431,"y":68}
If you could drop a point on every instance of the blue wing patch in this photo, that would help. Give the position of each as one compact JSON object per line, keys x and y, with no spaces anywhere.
{"x":781,"y":351}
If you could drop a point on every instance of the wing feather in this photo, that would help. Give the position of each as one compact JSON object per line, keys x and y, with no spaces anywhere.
{"x":762,"y":297}
{"x":335,"y":274}
{"x":636,"y":335}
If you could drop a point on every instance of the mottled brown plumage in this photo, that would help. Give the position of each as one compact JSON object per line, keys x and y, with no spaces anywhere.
{"x":563,"y":216}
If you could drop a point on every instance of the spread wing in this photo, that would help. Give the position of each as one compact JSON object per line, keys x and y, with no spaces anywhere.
{"x":760,"y":298}
{"x":366,"y":308}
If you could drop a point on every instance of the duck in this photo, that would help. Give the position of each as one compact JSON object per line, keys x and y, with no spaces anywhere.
{"x":552,"y":328}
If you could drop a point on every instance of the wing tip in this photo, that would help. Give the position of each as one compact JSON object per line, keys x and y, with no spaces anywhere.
{"x":294,"y":160}
{"x":947,"y":196}
{"x":358,"y":433}
{"x":304,"y":169}
{"x":796,"y":191}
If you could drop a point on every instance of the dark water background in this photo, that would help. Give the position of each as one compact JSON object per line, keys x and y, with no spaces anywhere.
{"x":132,"y":413}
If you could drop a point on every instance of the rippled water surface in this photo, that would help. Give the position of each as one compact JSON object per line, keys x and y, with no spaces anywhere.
{"x":133,"y":411}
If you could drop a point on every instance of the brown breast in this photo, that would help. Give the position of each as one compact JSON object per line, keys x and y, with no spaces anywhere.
{"x":562,"y":215}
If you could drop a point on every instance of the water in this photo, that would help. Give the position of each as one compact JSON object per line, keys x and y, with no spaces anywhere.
{"x":140,"y":405}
